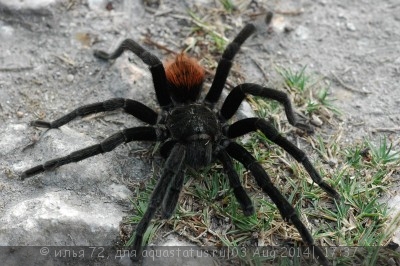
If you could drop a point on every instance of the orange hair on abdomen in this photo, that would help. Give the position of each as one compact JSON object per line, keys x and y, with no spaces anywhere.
{"x":185,"y":76}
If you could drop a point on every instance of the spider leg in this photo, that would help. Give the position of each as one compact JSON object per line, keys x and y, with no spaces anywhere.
{"x":166,"y":147}
{"x":172,"y":169}
{"x":286,"y":210}
{"x":247,"y":125}
{"x":135,"y":108}
{"x":156,"y":68}
{"x":225,"y":64}
{"x":234,"y":182}
{"x":173,"y":191}
{"x":172,"y":196}
{"x":236,"y":96}
{"x":110,"y":143}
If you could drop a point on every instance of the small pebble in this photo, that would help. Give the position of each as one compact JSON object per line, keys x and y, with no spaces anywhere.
{"x":20,"y":114}
{"x":70,"y":78}
{"x":332,"y":162}
{"x":316,"y":121}
{"x":350,"y":26}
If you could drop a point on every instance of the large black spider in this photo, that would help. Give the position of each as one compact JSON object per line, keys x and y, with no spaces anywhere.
{"x":193,"y":133}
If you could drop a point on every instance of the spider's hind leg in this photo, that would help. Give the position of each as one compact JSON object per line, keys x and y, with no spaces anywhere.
{"x":156,"y":68}
{"x":225,"y":64}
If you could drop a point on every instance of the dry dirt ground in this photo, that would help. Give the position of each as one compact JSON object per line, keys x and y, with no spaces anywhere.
{"x":47,"y":69}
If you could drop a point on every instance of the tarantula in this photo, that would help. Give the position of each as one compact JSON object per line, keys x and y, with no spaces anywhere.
{"x":193,"y":133}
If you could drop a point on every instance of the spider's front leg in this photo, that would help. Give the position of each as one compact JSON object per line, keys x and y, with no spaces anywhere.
{"x":172,"y":170}
{"x":247,"y":125}
{"x":110,"y":143}
{"x":286,"y":210}
{"x":236,"y":96}
{"x":234,"y":182}
{"x":172,"y":195}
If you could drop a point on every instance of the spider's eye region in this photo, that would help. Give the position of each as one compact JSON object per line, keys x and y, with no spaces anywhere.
{"x":185,"y":77}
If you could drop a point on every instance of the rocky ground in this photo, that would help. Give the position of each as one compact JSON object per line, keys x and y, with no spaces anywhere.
{"x":47,"y":69}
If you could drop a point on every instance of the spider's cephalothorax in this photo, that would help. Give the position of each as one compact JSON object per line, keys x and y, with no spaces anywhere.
{"x":193,"y":134}
{"x":197,"y":127}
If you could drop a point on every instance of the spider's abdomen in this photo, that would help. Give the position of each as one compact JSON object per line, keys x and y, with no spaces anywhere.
{"x":197,"y":127}
{"x":185,"y":77}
